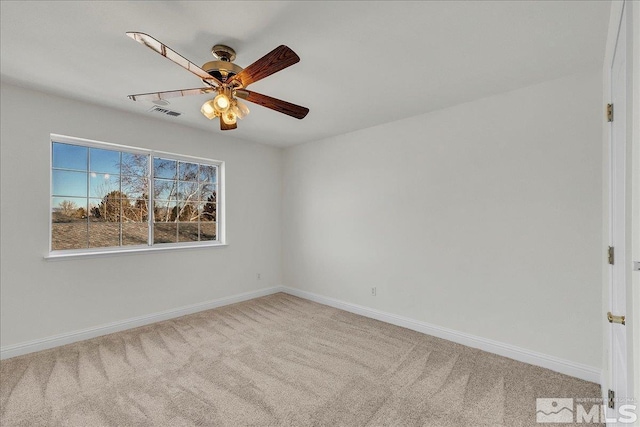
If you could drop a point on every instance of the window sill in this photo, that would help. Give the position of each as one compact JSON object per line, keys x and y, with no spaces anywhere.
{"x":63,"y":255}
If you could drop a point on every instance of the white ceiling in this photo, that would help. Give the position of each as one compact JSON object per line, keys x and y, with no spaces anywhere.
{"x":362,"y":63}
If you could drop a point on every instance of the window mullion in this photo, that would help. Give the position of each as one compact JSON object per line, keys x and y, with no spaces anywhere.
{"x":120,"y":219}
{"x":88,"y":172}
{"x":150,"y":209}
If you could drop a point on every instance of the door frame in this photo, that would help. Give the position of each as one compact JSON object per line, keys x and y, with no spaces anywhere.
{"x":632,"y":193}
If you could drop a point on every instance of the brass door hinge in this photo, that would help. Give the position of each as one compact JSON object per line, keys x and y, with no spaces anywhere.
{"x":610,"y":256}
{"x":616,"y":319}
{"x":611,"y":401}
{"x":609,"y":112}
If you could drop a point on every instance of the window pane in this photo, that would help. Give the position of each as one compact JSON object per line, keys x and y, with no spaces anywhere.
{"x":68,"y":223}
{"x":101,"y":184}
{"x":104,"y":161}
{"x":187,"y":231}
{"x":164,"y":211}
{"x":165,"y":189}
{"x":135,"y":187}
{"x":66,"y":156}
{"x":104,"y":234}
{"x":163,"y":168}
{"x":134,"y":164}
{"x":208,"y":212}
{"x":126,"y":207}
{"x":104,"y":221}
{"x":137,"y":212}
{"x":208,"y":193}
{"x":188,"y":190}
{"x":187,"y":171}
{"x":188,"y":212}
{"x":67,"y":209}
{"x":104,"y":210}
{"x":165,"y":232}
{"x":208,"y":173}
{"x":69,"y":235}
{"x":135,"y":233}
{"x":66,"y":183}
{"x":208,"y":231}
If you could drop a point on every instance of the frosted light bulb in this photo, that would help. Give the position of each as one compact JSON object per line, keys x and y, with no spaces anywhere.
{"x":240,"y":108}
{"x":221,"y":103}
{"x":208,"y":110}
{"x":229,"y":118}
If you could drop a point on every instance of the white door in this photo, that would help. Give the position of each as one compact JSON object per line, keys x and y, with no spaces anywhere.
{"x":618,"y":271}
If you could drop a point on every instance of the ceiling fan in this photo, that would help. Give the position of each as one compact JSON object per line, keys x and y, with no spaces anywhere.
{"x":227,"y":80}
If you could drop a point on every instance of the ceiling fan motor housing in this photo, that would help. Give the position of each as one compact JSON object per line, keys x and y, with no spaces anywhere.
{"x":221,"y":70}
{"x":224,"y":68}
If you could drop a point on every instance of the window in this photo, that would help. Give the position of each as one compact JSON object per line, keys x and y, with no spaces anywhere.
{"x":114,"y":198}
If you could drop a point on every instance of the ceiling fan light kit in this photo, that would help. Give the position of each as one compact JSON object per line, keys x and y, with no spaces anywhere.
{"x":240,"y":108}
{"x":221,"y":103}
{"x":228,"y":80}
{"x":208,"y":110}
{"x":229,"y":118}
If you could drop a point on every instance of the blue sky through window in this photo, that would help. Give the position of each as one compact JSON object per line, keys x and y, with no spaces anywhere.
{"x":67,"y":156}
{"x":85,"y":172}
{"x":92,"y":173}
{"x":105,"y":161}
{"x":69,"y":183}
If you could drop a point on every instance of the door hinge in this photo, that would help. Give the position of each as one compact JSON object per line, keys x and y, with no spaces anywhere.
{"x":616,"y":319}
{"x":610,"y":256}
{"x":609,"y":112}
{"x":611,"y":402}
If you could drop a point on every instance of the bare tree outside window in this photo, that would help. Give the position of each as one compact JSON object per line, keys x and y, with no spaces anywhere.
{"x":182,"y":191}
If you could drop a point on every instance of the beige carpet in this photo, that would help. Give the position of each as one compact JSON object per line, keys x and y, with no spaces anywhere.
{"x":277,"y":360}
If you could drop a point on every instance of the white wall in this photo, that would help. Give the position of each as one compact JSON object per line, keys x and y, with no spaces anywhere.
{"x":484,"y":218}
{"x":43,"y":298}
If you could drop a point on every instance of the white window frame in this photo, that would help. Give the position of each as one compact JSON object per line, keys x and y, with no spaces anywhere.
{"x":150,"y":246}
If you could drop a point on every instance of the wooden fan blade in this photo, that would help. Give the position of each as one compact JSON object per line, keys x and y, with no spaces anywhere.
{"x":278,"y":105}
{"x":274,"y":61}
{"x":172,"y":55}
{"x":224,"y":126}
{"x":158,"y":96}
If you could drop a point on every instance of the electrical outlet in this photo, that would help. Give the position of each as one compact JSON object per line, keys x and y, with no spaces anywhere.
{"x":259,"y":276}
{"x":374,"y":291}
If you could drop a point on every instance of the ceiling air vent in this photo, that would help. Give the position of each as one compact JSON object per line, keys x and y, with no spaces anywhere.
{"x":165,"y":111}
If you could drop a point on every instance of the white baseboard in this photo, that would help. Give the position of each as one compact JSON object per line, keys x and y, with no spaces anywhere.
{"x":563,"y":366}
{"x":567,"y":367}
{"x":71,"y":337}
